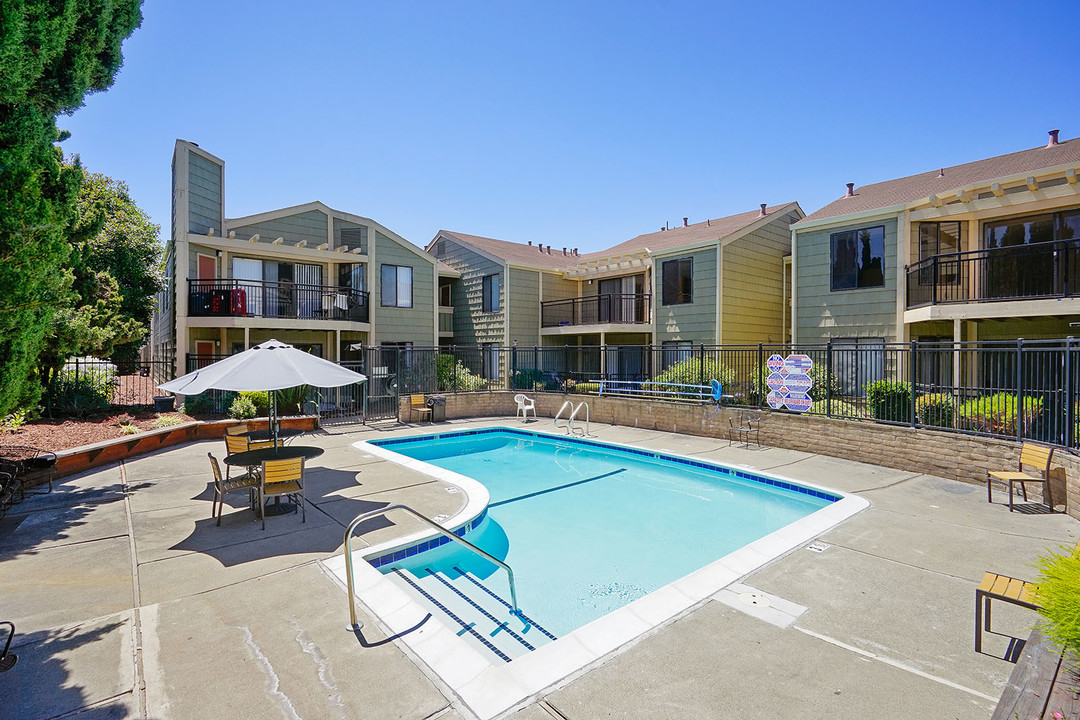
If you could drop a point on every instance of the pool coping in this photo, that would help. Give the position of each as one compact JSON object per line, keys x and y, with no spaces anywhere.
{"x":492,"y":690}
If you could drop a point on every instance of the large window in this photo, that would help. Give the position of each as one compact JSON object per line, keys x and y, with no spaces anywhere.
{"x":677,"y":277}
{"x":858,"y":258}
{"x":396,"y":288}
{"x":1032,"y":229}
{"x":936,"y":239}
{"x":351,"y":275}
{"x":491,"y":293}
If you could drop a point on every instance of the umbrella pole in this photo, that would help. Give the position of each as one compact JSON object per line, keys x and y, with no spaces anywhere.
{"x":273,"y":416}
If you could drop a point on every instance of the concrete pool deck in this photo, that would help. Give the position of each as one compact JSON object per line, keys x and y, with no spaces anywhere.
{"x":130,"y":602}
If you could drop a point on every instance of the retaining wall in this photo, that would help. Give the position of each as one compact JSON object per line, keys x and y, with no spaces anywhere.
{"x":951,"y":455}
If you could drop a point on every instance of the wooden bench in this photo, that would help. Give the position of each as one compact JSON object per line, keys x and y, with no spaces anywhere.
{"x":1005,"y":588}
{"x":1032,"y":455}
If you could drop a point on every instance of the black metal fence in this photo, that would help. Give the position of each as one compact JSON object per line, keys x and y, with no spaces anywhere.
{"x":228,"y":297}
{"x":1023,"y":389}
{"x":89,"y":385}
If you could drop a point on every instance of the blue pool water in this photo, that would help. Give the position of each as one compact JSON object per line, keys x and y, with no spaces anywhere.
{"x":589,"y":527}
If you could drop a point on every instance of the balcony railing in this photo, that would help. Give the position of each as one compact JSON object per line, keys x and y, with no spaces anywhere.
{"x":612,"y":308}
{"x":227,"y":297}
{"x":1019,"y":272}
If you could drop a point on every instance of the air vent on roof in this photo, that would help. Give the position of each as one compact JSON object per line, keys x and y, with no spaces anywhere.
{"x":530,"y":243}
{"x":941,"y":173}
{"x":763,"y":213}
{"x":850,"y":190}
{"x":1053,"y":138}
{"x":685,"y":221}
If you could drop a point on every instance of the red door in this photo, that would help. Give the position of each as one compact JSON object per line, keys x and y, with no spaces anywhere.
{"x":207,"y":267}
{"x":205,"y":351}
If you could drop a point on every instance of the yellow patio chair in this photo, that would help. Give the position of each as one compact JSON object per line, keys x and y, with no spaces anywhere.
{"x":282,"y":477}
{"x":418,"y":405}
{"x":222,"y":486}
{"x":1034,"y":456}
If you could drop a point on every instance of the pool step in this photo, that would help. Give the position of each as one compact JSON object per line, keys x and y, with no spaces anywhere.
{"x":467,"y":605}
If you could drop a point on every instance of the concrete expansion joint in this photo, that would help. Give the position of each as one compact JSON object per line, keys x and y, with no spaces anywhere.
{"x":889,"y":485}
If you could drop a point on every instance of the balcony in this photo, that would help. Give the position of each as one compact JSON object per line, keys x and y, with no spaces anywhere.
{"x":1047,"y":270}
{"x":614,"y":309}
{"x":226,"y":297}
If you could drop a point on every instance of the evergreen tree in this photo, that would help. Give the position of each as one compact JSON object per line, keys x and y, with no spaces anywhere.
{"x":51,"y":56}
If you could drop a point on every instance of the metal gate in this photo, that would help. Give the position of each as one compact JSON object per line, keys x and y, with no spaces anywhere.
{"x":381,"y":365}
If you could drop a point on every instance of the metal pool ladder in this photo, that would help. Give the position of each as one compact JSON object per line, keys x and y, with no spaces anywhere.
{"x":570,"y":429}
{"x":354,"y":623}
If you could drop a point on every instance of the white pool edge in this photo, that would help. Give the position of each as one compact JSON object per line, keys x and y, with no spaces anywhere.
{"x":490,"y":690}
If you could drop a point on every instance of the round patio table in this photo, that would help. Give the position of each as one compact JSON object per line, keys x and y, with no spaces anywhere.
{"x":264,"y":435}
{"x":255,"y":458}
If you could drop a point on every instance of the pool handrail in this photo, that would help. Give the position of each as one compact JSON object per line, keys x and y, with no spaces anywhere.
{"x":354,"y":624}
{"x":570,"y":423}
{"x":565,"y":405}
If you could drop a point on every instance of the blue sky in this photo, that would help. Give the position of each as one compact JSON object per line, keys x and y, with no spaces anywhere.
{"x":576,"y":124}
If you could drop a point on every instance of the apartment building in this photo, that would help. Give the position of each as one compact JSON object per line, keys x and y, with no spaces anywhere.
{"x":325,"y":280}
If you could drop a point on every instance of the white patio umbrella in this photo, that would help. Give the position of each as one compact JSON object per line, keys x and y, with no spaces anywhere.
{"x":272,"y":365}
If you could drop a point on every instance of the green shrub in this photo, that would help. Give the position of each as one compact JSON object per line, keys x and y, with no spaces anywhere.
{"x":693,"y":371}
{"x":937,"y":409}
{"x":889,"y":400}
{"x":759,"y":388}
{"x":997,"y":413}
{"x":243,"y":408}
{"x":536,"y":380}
{"x":206,"y":404}
{"x":1059,"y":595}
{"x":82,"y":392}
{"x":588,"y":388}
{"x":166,"y":421}
{"x":259,"y":400}
{"x":290,"y":401}
{"x":836,"y":407}
{"x":453,"y":376}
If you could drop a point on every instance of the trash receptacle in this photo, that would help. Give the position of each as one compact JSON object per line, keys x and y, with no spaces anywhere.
{"x":164,"y":404}
{"x":437,"y":403}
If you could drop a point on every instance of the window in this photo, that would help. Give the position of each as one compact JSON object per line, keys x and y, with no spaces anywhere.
{"x":351,"y":275}
{"x":675,"y":351}
{"x":858,"y":258}
{"x":491,"y":293}
{"x":678,"y":281}
{"x":1032,"y":229}
{"x":491,"y":361}
{"x":940,"y":238}
{"x":396,"y":286}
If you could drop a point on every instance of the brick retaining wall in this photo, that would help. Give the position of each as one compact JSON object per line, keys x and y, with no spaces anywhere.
{"x":933,"y":452}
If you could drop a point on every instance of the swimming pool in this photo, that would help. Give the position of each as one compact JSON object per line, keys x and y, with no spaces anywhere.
{"x":395,"y":587}
{"x":588,"y":528}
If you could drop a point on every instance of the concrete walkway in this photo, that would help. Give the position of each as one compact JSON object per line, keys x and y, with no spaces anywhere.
{"x":130,"y":602}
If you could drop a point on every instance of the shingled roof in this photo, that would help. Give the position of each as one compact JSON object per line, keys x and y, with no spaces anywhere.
{"x":942,"y":180}
{"x":671,"y":239}
{"x":515,"y":252}
{"x":678,"y":237}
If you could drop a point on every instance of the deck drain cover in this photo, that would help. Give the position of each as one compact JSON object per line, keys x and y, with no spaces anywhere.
{"x":817,"y":547}
{"x":755,"y":599}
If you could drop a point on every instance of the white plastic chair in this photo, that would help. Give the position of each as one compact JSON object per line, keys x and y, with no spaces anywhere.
{"x":524,"y":405}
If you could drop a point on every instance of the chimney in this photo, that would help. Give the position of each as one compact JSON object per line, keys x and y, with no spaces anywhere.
{"x":564,"y":252}
{"x":763,"y":213}
{"x":663,"y":229}
{"x":850,"y":190}
{"x":1053,"y":138}
{"x":708,"y":223}
{"x":549,"y":249}
{"x":575,"y":252}
{"x":941,"y":173}
{"x":685,"y":220}
{"x":530,"y":243}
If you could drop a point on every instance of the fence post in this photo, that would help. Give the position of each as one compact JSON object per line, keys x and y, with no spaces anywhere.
{"x":513,"y":364}
{"x":701,"y":367}
{"x":828,"y":378}
{"x":760,"y":379}
{"x":911,"y":377}
{"x":1069,"y":410}
{"x":1019,"y":389}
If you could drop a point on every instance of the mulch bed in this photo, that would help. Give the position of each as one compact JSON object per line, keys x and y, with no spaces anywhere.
{"x":63,"y":434}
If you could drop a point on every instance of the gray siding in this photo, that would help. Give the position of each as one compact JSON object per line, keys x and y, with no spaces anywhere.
{"x":825,"y":314}
{"x":193,"y":259}
{"x":471,"y":325}
{"x":524,"y":304}
{"x":310,"y":226}
{"x":753,"y":287}
{"x":339,"y":224}
{"x":694,"y":321}
{"x":394,"y":324}
{"x":204,"y":195}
